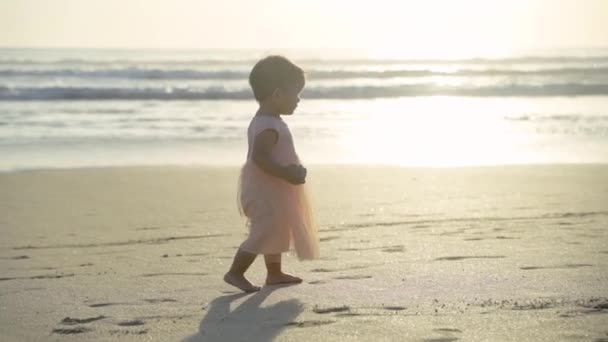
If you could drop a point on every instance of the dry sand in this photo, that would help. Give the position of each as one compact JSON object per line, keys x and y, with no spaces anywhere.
{"x":474,"y":254}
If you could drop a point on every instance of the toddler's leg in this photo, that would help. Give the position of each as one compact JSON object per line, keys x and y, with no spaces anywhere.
{"x":275,"y":274}
{"x":236,"y":274}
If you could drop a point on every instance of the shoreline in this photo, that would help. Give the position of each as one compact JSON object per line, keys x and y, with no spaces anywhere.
{"x":312,"y":165}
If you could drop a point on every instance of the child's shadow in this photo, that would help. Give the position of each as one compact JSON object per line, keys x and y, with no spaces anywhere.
{"x":248,"y":322}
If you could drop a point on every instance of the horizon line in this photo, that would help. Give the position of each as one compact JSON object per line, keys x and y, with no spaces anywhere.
{"x":66,"y":47}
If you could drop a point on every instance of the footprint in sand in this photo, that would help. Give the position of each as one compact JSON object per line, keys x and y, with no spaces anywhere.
{"x":394,"y":308}
{"x":331,"y":309}
{"x":160,"y":300}
{"x":148,"y":228}
{"x":565,"y":223}
{"x":328,"y":238}
{"x":101,"y":305}
{"x":173,"y":274}
{"x":352,"y":249}
{"x":46,"y":276}
{"x":535,"y":304}
{"x":70,"y":331}
{"x":555,"y":267}
{"x":154,"y":241}
{"x":326,"y":270}
{"x":597,"y":304}
{"x":349,"y":314}
{"x":74,"y":321}
{"x":470,"y":257}
{"x":328,"y":258}
{"x":353,"y":277}
{"x":151,"y":301}
{"x":308,"y":324}
{"x":420,"y":226}
{"x":593,"y":307}
{"x":359,"y":267}
{"x":128,"y":332}
{"x":132,"y":323}
{"x":52,"y":276}
{"x":394,"y":249}
{"x":449,"y":330}
{"x":441,"y":339}
{"x":18,"y":257}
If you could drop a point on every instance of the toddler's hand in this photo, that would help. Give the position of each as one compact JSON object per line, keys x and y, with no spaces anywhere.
{"x":295,"y":174}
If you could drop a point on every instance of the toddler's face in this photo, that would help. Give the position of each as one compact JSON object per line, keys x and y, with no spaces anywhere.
{"x":288,"y":101}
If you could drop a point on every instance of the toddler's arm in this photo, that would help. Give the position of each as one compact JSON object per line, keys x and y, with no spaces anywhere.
{"x":262,"y":145}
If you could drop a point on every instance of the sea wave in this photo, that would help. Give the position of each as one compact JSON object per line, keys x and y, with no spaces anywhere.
{"x":317,"y":92}
{"x":194,"y":74}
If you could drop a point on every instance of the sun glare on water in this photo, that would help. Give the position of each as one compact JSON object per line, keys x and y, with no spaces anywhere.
{"x":433,"y":132}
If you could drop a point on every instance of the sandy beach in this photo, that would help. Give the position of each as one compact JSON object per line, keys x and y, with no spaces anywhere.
{"x":515,"y":253}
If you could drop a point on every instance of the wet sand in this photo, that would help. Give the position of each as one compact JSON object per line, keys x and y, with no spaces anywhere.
{"x":408,"y":254}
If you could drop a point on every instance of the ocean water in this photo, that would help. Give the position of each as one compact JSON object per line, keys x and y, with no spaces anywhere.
{"x":81,"y":108}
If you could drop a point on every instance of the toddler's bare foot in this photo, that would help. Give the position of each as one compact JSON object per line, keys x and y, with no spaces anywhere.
{"x":282,"y":278}
{"x":239,"y":280}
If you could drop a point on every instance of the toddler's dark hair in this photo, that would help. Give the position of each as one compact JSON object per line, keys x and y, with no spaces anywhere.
{"x":275,"y":72}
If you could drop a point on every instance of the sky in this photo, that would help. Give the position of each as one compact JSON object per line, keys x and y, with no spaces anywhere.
{"x":439,"y":26}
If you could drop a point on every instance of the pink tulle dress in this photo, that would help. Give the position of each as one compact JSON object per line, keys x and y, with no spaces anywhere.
{"x":278,"y":213}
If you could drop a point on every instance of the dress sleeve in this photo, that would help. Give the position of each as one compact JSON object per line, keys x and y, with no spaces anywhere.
{"x":263,"y":123}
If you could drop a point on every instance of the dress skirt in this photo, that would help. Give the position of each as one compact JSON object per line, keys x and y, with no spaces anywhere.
{"x":278,"y":214}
